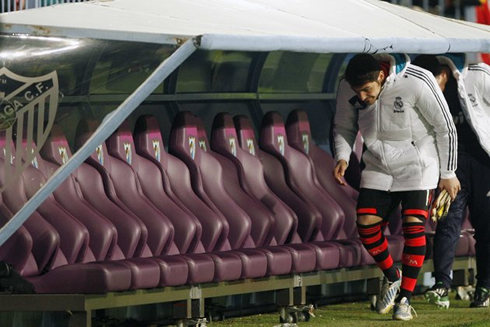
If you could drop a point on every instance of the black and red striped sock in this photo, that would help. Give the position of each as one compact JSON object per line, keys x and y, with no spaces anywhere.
{"x":413,"y":256}
{"x":376,"y":244}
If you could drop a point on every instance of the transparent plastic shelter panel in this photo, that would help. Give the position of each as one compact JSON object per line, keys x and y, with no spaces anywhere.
{"x":48,"y":83}
{"x":216,"y":71}
{"x":266,"y":72}
{"x":294,"y":72}
{"x":252,"y":83}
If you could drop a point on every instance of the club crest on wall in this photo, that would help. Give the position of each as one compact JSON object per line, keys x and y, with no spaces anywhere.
{"x":28,"y":107}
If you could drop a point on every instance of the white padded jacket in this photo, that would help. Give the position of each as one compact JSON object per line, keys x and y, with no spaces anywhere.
{"x":474,"y":94}
{"x":408,"y":132}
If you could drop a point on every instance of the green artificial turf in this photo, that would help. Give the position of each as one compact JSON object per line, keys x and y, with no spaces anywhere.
{"x":359,"y":314}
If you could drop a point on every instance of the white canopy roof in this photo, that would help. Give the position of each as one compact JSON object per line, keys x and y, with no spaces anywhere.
{"x":248,"y":25}
{"x":257,"y":25}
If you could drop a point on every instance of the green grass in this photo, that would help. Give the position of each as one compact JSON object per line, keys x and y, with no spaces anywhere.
{"x":359,"y":314}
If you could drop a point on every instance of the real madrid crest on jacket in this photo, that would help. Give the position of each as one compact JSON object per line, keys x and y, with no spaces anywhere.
{"x":408,"y":132}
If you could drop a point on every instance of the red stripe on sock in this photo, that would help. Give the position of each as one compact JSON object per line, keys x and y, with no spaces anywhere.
{"x":418,"y":241}
{"x":386,"y":263}
{"x":414,"y":229}
{"x":413,"y":260}
{"x":413,"y":212}
{"x":361,"y":211}
{"x":368,"y":230}
{"x":379,"y":249}
{"x":371,"y":240}
{"x":408,"y":283}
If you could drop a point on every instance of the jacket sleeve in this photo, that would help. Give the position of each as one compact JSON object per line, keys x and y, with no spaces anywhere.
{"x":345,"y":123}
{"x":485,"y":81}
{"x":433,"y":107}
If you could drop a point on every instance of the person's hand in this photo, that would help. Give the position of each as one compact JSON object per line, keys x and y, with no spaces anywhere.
{"x":339,"y":171}
{"x":440,"y":207}
{"x":451,"y":185}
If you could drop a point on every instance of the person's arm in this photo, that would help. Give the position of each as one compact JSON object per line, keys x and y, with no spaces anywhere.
{"x":434,"y":109}
{"x":484,"y":82}
{"x":345,"y":130}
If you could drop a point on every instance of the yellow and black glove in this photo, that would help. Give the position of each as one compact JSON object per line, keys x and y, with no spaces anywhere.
{"x":440,"y":207}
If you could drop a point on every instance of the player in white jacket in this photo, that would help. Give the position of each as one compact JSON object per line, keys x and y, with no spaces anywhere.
{"x":467,"y":91}
{"x":410,"y":145}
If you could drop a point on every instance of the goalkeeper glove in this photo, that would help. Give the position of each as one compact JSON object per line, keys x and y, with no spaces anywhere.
{"x":440,"y":207}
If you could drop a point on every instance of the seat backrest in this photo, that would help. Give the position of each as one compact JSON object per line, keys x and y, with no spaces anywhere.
{"x":299,"y":137}
{"x":73,"y":236}
{"x":122,"y":186}
{"x":103,"y":234}
{"x":300,"y":175}
{"x":224,"y":141}
{"x":90,"y":190}
{"x":177,"y":182}
{"x":207,"y":177}
{"x":45,"y":239}
{"x":467,"y":222}
{"x":17,"y":249}
{"x":188,"y":229}
{"x":261,"y":217}
{"x":309,"y":218}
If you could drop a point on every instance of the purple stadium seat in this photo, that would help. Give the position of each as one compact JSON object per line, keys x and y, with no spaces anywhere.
{"x":187,"y":228}
{"x":177,"y":182}
{"x":300,"y":175}
{"x":309,"y":218}
{"x":120,"y":145}
{"x":208,"y":183}
{"x":208,"y":186}
{"x":69,"y":263}
{"x":303,"y":258}
{"x":299,"y":137}
{"x":45,"y":245}
{"x":102,"y":233}
{"x":17,"y":250}
{"x":261,"y":217}
{"x":251,"y":176}
{"x":215,"y":227}
{"x":45,"y":240}
{"x":68,"y":227}
{"x":132,"y":233}
{"x":123,"y":188}
{"x":468,"y":231}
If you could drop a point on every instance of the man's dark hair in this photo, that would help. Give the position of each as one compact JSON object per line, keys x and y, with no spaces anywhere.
{"x":430,"y":63}
{"x":361,"y":69}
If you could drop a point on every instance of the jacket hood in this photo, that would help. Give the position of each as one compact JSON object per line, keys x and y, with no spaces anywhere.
{"x":398,"y":63}
{"x":457,"y":62}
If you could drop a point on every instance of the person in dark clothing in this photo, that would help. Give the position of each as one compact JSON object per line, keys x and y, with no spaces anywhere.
{"x":467,"y":92}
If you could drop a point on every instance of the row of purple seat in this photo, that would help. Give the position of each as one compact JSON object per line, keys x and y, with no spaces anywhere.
{"x":135,"y":216}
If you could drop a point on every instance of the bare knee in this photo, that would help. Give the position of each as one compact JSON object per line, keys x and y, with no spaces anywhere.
{"x":368,"y":219}
{"x":412,"y":219}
